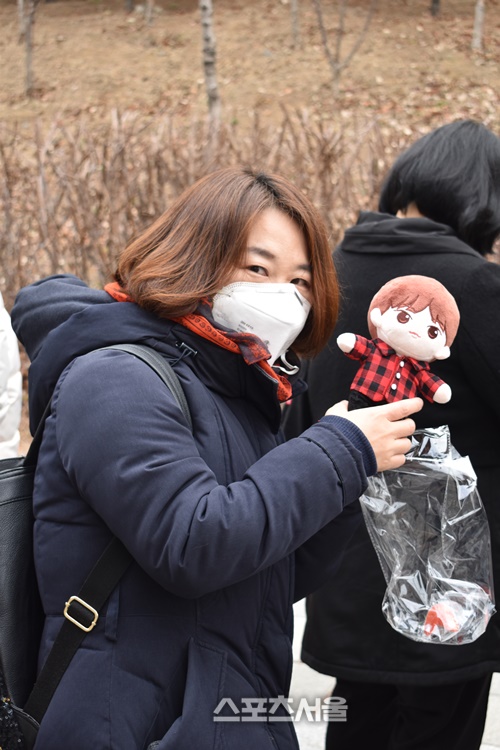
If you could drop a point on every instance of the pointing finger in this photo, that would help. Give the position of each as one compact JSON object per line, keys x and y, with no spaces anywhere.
{"x":402,"y":409}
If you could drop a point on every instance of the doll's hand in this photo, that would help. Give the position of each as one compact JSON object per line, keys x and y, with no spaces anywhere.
{"x":346,"y":341}
{"x":387,"y":428}
{"x":443,"y":394}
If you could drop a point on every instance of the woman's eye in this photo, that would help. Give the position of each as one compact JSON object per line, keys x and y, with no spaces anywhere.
{"x":304,"y":283}
{"x":433,"y":332}
{"x":403,"y":317}
{"x":258,"y":269}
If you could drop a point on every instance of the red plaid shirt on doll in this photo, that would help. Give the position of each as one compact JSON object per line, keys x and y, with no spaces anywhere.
{"x":386,"y":376}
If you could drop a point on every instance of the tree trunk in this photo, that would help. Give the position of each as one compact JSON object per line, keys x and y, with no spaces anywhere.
{"x":21,"y":19}
{"x":149,"y":12}
{"x":294,"y":11}
{"x":435,"y":7}
{"x":29,"y":22}
{"x":209,"y":61}
{"x":477,"y":34}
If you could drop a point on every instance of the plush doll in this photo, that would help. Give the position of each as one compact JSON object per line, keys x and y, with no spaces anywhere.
{"x":413,"y":320}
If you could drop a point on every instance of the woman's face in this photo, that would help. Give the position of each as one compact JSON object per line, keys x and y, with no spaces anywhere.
{"x":276,"y":253}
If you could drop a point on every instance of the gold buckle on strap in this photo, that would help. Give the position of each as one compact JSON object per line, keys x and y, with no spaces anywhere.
{"x":93,"y":612}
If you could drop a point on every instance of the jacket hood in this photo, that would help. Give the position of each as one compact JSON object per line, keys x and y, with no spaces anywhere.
{"x":41,"y":307}
{"x":60,"y":318}
{"x":379,"y":233}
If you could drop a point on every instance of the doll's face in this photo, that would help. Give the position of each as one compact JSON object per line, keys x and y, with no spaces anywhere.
{"x":413,"y":334}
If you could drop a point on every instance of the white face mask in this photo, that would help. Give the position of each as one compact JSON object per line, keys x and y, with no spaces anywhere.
{"x":276,"y":313}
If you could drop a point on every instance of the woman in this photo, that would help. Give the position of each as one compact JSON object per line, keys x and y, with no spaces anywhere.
{"x":223,"y":532}
{"x":439,"y":217}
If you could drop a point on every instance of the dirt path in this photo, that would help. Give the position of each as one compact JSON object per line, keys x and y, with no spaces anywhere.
{"x":91,"y":56}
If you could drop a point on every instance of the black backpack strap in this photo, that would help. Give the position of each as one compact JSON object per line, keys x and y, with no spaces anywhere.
{"x":163,"y":368}
{"x":82,"y":611}
{"x":81,"y":614}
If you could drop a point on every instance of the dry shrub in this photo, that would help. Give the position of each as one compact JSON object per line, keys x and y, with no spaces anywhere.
{"x":72,"y":196}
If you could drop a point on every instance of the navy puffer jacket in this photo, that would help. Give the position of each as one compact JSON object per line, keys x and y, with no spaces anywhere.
{"x":226,"y":527}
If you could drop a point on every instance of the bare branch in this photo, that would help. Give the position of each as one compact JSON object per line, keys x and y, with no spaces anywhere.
{"x":362,"y":34}
{"x":71,"y":197}
{"x":334,"y":59}
{"x":324,"y":35}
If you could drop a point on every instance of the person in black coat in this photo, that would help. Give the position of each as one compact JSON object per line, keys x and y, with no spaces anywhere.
{"x":439,"y":216}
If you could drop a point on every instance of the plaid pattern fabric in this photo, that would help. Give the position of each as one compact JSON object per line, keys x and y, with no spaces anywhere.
{"x":385,"y":376}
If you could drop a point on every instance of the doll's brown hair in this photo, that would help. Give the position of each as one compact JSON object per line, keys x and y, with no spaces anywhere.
{"x":415,"y":293}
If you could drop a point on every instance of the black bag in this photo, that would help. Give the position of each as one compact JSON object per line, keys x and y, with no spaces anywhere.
{"x":21,"y":613}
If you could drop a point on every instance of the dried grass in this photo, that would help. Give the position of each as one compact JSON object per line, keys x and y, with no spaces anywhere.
{"x":72,"y":196}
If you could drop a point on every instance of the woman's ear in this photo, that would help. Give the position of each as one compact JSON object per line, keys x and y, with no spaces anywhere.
{"x":443,"y":353}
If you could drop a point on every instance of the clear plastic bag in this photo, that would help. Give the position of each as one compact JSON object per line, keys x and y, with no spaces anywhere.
{"x":430,"y":531}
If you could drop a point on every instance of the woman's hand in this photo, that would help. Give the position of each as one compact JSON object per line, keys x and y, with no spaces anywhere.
{"x":387,"y":427}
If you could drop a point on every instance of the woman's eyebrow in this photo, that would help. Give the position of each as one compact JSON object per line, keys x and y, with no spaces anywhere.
{"x":268,"y":255}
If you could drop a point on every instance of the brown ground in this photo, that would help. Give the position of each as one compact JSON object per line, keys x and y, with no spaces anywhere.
{"x":91,"y":56}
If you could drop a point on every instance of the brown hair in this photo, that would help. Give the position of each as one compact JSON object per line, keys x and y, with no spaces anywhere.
{"x":415,"y":293}
{"x":191,"y":251}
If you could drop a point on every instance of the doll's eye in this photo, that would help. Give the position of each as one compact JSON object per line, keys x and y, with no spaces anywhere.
{"x":403,"y":317}
{"x":433,"y":332}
